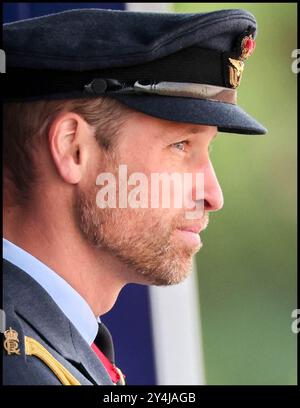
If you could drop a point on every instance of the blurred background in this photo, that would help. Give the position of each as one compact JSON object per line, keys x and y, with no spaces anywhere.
{"x":247,"y":267}
{"x":246,"y":271}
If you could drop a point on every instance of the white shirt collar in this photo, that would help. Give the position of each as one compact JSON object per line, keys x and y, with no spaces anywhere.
{"x":67,"y":299}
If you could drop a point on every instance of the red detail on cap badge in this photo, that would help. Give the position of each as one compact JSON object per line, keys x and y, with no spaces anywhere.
{"x":247,"y":46}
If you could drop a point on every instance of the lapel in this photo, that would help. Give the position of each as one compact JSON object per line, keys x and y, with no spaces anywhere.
{"x":35,"y":305}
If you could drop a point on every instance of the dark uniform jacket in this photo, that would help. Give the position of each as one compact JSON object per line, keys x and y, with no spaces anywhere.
{"x":41,"y":346}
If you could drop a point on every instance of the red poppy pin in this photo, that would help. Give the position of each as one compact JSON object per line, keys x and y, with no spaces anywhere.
{"x":247,"y":46}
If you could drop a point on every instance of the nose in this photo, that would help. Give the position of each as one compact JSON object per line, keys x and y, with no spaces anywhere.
{"x":213,"y":195}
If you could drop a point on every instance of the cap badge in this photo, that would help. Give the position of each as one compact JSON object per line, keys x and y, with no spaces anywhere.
{"x":11,"y":342}
{"x":236,"y":66}
{"x":235,"y":72}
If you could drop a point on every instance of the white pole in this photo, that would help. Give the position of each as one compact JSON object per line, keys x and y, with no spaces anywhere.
{"x":177,"y":333}
{"x":159,"y":7}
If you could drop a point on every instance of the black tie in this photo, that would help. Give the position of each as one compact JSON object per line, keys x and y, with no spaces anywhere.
{"x":104,"y":348}
{"x":104,"y":342}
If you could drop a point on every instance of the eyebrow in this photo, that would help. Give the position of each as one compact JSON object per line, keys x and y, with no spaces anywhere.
{"x":184,"y":133}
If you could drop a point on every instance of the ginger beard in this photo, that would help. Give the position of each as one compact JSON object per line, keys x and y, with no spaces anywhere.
{"x":143,"y":239}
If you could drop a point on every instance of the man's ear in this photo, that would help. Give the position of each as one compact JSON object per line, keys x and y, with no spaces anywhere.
{"x":67,"y":135}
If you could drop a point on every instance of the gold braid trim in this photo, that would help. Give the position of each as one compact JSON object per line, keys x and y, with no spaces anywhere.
{"x":34,"y":348}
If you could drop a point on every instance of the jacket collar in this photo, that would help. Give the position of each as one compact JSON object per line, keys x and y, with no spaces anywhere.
{"x":42,"y":313}
{"x":63,"y":294}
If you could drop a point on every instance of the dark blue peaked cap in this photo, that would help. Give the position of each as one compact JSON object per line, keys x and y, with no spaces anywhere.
{"x":174,"y":66}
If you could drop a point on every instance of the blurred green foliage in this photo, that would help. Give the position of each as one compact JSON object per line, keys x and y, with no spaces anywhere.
{"x":247,"y":267}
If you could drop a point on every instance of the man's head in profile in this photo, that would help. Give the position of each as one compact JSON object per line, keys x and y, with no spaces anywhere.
{"x":149,"y":245}
{"x":154,"y":111}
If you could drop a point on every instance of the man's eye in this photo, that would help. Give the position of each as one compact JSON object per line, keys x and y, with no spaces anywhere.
{"x":181,"y":145}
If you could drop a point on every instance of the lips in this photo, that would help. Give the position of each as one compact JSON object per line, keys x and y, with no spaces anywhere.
{"x":196,"y":229}
{"x":190,"y":236}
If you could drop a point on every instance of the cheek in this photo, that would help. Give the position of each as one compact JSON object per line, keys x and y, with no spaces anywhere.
{"x":151,"y":164}
{"x":142,"y":155}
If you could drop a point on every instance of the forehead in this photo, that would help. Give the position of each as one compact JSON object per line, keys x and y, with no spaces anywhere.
{"x":170,"y":128}
{"x":188,"y":130}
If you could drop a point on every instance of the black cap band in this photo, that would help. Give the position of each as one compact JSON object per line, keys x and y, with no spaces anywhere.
{"x":191,"y":65}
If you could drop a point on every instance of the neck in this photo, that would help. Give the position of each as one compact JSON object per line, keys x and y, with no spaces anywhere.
{"x":95,"y":274}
